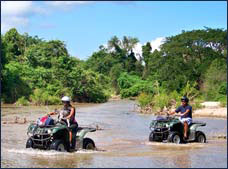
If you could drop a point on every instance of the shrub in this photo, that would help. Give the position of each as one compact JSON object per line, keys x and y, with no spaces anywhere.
{"x":88,"y":88}
{"x":52,"y":100}
{"x":190,"y":91}
{"x":215,"y":80}
{"x":126,"y":81}
{"x":222,"y":88}
{"x":42,"y":97}
{"x":135,"y":90}
{"x":197,"y":104}
{"x":124,"y":93}
{"x":144,"y":99}
{"x":175,"y":96}
{"x":98,"y":95}
{"x":223,"y":101}
{"x":22,"y":101}
{"x":160,"y":101}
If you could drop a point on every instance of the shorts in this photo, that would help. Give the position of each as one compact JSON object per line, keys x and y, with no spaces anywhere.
{"x":185,"y":119}
{"x":73,"y":127}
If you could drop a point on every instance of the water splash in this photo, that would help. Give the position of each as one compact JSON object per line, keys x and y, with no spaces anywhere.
{"x":175,"y":145}
{"x":35,"y":152}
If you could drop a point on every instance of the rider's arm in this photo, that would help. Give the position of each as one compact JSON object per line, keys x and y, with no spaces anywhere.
{"x":172,"y":112}
{"x":186,"y":112}
{"x":54,"y":112}
{"x":175,"y":111}
{"x":71,"y":113}
{"x":51,"y":113}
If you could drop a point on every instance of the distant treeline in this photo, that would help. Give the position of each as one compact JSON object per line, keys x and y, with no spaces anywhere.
{"x":192,"y":63}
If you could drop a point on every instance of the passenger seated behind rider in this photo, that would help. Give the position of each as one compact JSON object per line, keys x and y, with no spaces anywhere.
{"x":67,"y":114}
{"x":186,"y":114}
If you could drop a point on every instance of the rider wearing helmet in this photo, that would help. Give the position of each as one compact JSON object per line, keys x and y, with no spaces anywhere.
{"x":186,"y":114}
{"x":67,"y":114}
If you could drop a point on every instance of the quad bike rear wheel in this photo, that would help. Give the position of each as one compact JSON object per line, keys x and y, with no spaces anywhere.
{"x":88,"y":144}
{"x":200,"y":137}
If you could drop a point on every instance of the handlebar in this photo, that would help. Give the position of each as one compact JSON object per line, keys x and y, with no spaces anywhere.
{"x":61,"y":122}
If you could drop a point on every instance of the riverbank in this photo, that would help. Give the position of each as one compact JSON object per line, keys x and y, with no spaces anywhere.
{"x":220,"y":112}
{"x":210,"y":109}
{"x":14,"y":114}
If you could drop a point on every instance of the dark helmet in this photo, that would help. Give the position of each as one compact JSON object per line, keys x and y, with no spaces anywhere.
{"x":184,"y":98}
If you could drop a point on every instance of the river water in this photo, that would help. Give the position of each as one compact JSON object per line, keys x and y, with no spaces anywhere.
{"x":122,"y":142}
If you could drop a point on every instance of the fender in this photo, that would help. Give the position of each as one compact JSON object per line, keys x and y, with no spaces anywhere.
{"x":193,"y":128}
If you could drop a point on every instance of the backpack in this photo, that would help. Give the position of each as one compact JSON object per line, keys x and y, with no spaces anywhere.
{"x":45,"y":121}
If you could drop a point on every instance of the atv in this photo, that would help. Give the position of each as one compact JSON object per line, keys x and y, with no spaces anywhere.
{"x":170,"y":129}
{"x":56,"y":137}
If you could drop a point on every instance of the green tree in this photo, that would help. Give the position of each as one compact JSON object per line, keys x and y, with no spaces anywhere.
{"x":215,"y":80}
{"x":14,"y":45}
{"x":186,"y":56}
{"x":13,"y":86}
{"x":146,"y":52}
{"x":115,"y":72}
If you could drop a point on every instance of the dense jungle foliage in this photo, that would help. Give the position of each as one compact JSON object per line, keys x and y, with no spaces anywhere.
{"x":192,"y":63}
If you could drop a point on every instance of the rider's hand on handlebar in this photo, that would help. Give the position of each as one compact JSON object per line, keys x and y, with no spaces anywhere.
{"x":169,"y":113}
{"x":177,"y":114}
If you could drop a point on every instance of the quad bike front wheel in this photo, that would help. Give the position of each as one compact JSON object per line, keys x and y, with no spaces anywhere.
{"x":200,"y":137}
{"x":174,"y":137}
{"x":58,"y":145}
{"x":153,"y":137}
{"x":88,"y":144}
{"x":29,"y":143}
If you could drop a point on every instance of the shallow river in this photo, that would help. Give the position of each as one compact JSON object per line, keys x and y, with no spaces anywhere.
{"x":123,"y":142}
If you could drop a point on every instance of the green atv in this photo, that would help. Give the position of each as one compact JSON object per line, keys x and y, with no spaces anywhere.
{"x":56,"y":137}
{"x":170,"y":129}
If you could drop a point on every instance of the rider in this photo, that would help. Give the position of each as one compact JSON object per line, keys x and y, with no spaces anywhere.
{"x":67,"y":114}
{"x":186,"y":114}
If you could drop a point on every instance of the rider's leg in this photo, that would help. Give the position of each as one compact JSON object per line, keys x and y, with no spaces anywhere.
{"x":70,"y":136}
{"x":73,"y":130}
{"x":185,"y":129}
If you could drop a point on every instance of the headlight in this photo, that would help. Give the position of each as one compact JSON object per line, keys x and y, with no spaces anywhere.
{"x":29,"y":134}
{"x":49,"y":131}
{"x":152,"y":128}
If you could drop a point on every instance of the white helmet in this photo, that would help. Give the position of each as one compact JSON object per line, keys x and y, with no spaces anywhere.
{"x":65,"y":99}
